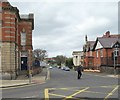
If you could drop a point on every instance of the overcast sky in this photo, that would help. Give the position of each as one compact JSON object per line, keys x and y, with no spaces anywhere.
{"x":61,"y":25}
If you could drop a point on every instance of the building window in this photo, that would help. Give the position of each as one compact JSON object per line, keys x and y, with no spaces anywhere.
{"x":0,"y":22}
{"x":101,"y":53}
{"x":90,"y":53}
{"x":0,"y":9}
{"x":97,"y":53}
{"x":116,"y":53}
{"x":23,"y":38}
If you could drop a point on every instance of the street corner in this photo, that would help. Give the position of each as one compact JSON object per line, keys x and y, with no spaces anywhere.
{"x":75,"y":93}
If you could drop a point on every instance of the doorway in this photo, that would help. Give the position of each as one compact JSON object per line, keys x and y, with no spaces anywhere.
{"x":24,"y":63}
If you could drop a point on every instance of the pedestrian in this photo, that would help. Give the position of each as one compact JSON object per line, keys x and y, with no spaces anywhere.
{"x":79,"y":70}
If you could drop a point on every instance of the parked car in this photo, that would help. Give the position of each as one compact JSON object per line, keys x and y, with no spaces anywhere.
{"x":63,"y":68}
{"x":67,"y":69}
{"x":50,"y":67}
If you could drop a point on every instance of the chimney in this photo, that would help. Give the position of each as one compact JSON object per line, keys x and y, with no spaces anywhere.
{"x":107,"y":34}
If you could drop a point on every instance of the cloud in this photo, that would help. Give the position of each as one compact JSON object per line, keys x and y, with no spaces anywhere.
{"x":60,"y":26}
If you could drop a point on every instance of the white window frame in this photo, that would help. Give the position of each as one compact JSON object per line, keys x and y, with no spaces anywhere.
{"x":90,"y":53}
{"x":97,"y":54}
{"x":23,"y":38}
{"x":101,"y":52}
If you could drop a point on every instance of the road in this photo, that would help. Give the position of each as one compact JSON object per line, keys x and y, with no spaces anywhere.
{"x":65,"y":85}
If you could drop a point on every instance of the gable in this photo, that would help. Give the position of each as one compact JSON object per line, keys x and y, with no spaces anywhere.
{"x":116,"y":45}
{"x":98,"y":46}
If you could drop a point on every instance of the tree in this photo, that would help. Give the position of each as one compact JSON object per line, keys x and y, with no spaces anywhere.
{"x":60,"y":59}
{"x":40,"y":54}
{"x":69,"y":62}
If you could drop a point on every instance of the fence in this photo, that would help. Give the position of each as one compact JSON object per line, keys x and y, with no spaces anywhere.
{"x":109,"y":61}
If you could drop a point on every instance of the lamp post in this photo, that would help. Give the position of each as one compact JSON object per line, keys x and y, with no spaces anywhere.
{"x":29,"y":69}
{"x":115,"y":55}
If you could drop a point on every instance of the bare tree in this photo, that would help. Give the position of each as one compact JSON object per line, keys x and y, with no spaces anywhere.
{"x":40,"y":54}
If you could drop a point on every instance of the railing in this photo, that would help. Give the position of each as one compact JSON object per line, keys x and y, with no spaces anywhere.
{"x":109,"y":61}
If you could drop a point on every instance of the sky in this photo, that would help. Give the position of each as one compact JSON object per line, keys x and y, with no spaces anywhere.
{"x":60,"y":26}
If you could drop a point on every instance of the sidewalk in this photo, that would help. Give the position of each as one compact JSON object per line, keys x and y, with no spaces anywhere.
{"x":97,"y":72}
{"x":22,"y":80}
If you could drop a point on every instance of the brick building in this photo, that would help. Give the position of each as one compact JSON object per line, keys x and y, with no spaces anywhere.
{"x":88,"y":54}
{"x":15,"y":40}
{"x":101,"y":54}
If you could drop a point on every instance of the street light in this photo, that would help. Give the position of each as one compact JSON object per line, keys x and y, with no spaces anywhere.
{"x":116,"y":52}
{"x":29,"y":70}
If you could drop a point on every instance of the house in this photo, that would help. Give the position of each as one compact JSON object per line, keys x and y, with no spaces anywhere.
{"x":99,"y":54}
{"x":104,"y":50}
{"x":15,"y":40}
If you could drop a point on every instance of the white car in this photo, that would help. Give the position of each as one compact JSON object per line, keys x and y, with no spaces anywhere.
{"x":63,"y":68}
{"x":67,"y":69}
{"x":50,"y":67}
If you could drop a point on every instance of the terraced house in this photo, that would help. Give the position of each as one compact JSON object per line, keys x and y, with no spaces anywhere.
{"x":104,"y":53}
{"x":15,"y":40}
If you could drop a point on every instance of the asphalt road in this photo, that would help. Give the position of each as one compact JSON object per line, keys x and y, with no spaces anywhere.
{"x":65,"y":85}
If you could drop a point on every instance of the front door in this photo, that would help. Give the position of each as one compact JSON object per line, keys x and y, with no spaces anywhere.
{"x":23,"y":63}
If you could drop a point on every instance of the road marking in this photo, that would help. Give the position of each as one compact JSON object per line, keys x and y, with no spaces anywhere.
{"x":57,"y":95}
{"x":32,"y":96}
{"x":95,"y":92}
{"x":46,"y":94}
{"x":70,"y":96}
{"x":111,"y":93}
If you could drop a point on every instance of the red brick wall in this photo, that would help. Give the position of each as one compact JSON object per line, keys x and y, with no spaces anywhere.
{"x":97,"y":60}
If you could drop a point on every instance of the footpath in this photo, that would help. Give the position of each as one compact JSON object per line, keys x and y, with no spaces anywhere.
{"x":24,"y":80}
{"x":98,"y":73}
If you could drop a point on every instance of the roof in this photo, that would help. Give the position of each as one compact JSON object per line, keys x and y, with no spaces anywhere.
{"x":108,"y":42}
{"x":76,"y":52}
{"x":89,"y":46}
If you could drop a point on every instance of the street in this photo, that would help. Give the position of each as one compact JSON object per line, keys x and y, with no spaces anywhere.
{"x":65,"y":85}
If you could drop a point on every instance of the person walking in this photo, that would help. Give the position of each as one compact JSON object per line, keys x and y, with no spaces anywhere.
{"x":79,"y":70}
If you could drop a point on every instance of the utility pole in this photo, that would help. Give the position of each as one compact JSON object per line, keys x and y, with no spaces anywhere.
{"x":114,"y":64}
{"x":29,"y":65}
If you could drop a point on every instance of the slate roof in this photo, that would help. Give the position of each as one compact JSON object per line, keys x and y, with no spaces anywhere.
{"x":91,"y":44}
{"x":108,"y":42}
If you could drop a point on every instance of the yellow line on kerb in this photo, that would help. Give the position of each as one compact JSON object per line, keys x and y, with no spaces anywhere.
{"x":46,"y":94}
{"x":71,"y":96}
{"x":111,"y":93}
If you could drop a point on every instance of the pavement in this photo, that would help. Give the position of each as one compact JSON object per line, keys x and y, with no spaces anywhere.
{"x":97,"y":73}
{"x":24,"y":80}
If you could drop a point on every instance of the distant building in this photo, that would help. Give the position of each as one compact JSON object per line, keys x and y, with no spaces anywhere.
{"x":15,"y":40}
{"x":77,"y":58}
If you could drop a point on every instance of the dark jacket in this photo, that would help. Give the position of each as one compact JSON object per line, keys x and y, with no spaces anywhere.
{"x":79,"y":68}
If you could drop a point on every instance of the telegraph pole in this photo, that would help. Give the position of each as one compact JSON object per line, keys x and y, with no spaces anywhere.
{"x":29,"y":69}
